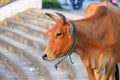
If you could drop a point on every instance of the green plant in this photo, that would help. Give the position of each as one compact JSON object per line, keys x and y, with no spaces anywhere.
{"x":50,"y":4}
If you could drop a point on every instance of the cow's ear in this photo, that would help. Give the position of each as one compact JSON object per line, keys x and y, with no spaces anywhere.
{"x":48,"y":33}
{"x":70,"y":31}
{"x":100,"y":11}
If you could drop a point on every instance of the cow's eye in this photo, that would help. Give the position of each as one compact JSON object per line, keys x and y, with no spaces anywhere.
{"x":59,"y":34}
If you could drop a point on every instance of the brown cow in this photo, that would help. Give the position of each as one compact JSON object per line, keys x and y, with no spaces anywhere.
{"x":98,"y":40}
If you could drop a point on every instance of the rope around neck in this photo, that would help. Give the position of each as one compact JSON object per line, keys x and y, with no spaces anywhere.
{"x":73,"y":47}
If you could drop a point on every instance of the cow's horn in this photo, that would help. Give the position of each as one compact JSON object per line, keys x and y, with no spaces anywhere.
{"x":51,"y":16}
{"x":61,"y":15}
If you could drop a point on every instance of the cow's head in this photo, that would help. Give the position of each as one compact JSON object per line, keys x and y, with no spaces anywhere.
{"x":61,"y":38}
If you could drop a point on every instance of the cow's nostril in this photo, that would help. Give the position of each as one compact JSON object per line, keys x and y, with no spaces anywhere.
{"x":44,"y":56}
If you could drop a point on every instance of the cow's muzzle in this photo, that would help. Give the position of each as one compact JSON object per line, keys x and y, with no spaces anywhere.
{"x":44,"y":56}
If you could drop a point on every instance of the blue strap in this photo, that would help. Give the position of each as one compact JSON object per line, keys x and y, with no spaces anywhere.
{"x":72,"y":49}
{"x":56,"y":65}
{"x":75,"y":40}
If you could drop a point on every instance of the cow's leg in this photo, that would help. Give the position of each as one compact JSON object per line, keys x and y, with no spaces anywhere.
{"x":109,"y":70}
{"x":90,"y":72}
{"x":112,"y":75}
{"x":97,"y":75}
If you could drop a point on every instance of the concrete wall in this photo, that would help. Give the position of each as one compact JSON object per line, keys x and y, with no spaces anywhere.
{"x":18,"y":6}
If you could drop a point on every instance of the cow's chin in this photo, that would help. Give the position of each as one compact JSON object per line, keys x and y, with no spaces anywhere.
{"x":53,"y":58}
{"x":50,"y":58}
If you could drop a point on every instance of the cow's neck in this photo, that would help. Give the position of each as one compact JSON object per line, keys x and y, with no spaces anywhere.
{"x":86,"y":41}
{"x":92,"y":33}
{"x":86,"y":37}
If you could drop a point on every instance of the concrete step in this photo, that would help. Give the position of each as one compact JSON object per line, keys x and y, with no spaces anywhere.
{"x":45,"y":23}
{"x":37,"y":13}
{"x":32,"y":55}
{"x":6,"y":73}
{"x":12,"y":66}
{"x":22,"y":64}
{"x":35,"y":56}
{"x":24,"y":37}
{"x":27,"y":27}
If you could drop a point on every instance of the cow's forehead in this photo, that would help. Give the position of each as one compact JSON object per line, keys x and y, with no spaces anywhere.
{"x":59,"y":25}
{"x":59,"y":22}
{"x":58,"y":28}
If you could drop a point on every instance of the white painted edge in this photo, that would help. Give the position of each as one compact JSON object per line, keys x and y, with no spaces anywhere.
{"x":18,"y":6}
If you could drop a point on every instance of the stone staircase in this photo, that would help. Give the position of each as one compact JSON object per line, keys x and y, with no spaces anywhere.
{"x":22,"y":42}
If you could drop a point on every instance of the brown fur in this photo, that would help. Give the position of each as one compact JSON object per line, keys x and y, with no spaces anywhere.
{"x":98,"y":40}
